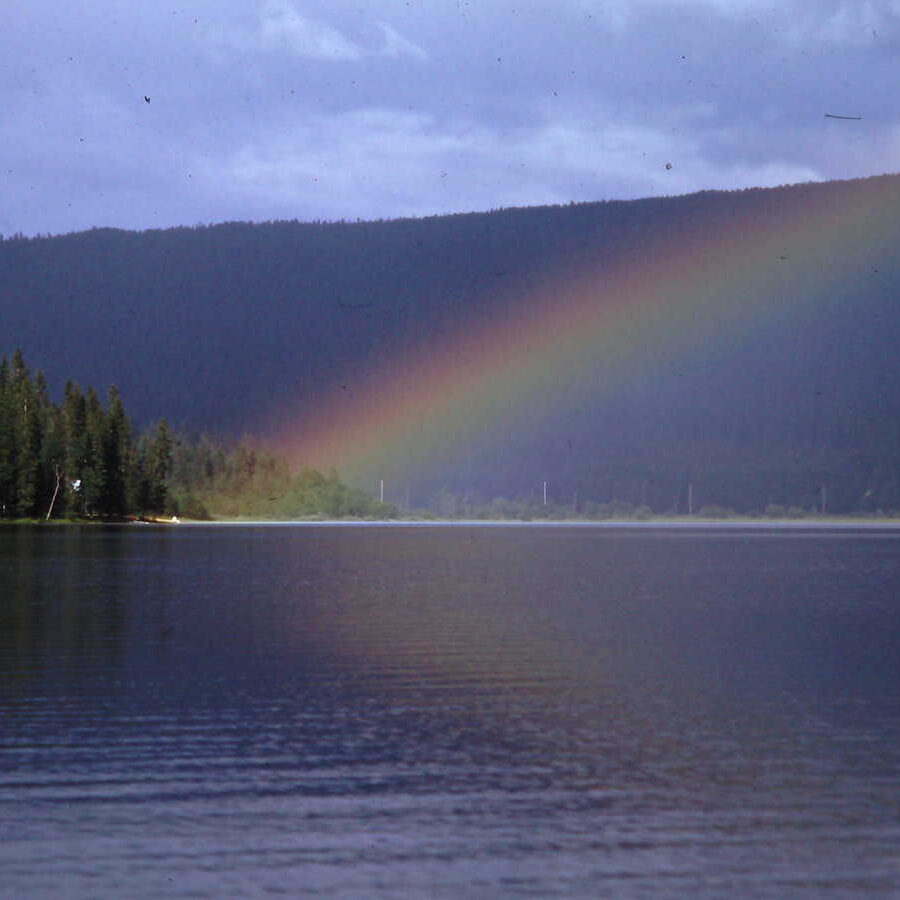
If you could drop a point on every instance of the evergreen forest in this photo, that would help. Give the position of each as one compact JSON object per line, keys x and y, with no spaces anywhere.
{"x":84,"y":459}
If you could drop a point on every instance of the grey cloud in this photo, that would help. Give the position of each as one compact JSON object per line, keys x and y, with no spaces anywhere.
{"x":397,"y":45}
{"x":278,"y":109}
{"x":283,"y":26}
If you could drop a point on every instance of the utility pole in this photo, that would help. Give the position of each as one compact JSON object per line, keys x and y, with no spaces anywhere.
{"x":381,"y":491}
{"x":824,"y":500}
{"x":545,"y":493}
{"x":690,"y":499}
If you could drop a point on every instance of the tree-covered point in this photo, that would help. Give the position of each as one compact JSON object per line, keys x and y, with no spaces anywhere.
{"x":81,"y":459}
{"x":209,"y":478}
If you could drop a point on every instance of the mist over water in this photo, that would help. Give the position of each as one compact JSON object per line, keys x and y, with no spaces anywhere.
{"x":420,"y":711}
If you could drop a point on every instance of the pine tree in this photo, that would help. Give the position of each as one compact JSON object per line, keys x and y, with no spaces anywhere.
{"x":28,"y":436}
{"x":159,"y":466}
{"x":52,"y":450}
{"x":139,"y":482}
{"x":75,"y":438}
{"x":7,"y":442}
{"x":116,"y":444}
{"x":94,"y":488}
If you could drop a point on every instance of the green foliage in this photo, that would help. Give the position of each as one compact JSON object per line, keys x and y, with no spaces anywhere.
{"x":103,"y":471}
{"x":189,"y":506}
{"x":470,"y":506}
{"x":211,"y":479}
{"x":715,"y":512}
{"x":158,"y":468}
{"x":8,"y":467}
{"x":116,"y":449}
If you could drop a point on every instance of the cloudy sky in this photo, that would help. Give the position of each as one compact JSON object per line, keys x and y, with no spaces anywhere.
{"x":328,"y":109}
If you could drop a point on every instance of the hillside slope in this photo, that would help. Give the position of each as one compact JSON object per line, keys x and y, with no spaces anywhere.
{"x":783,"y":380}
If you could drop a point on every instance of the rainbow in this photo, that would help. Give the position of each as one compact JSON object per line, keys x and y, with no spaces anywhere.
{"x":600,"y":324}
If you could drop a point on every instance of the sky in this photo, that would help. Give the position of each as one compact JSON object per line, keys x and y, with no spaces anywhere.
{"x":154,"y":113}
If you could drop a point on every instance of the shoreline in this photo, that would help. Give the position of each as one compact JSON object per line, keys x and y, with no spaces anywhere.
{"x":685,"y":522}
{"x":681,"y":522}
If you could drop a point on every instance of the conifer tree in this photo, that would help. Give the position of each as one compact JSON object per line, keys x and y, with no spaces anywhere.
{"x":80,"y":458}
{"x":116,"y":444}
{"x":28,"y":436}
{"x":159,"y":466}
{"x":53,"y":456}
{"x":139,"y":480}
{"x":75,"y":437}
{"x":94,"y":487}
{"x":7,"y":441}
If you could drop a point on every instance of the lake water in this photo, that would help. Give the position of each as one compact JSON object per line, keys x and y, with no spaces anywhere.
{"x":359,"y":711}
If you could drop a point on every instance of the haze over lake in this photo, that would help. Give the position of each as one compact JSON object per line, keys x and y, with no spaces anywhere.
{"x":419,"y":711}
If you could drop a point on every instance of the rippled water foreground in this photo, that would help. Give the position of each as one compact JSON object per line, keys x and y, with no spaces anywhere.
{"x":447,"y":712}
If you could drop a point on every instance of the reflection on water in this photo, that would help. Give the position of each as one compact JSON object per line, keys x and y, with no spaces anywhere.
{"x":367,"y":711}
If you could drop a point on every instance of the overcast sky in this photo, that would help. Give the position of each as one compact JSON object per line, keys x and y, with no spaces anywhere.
{"x":327,"y":109}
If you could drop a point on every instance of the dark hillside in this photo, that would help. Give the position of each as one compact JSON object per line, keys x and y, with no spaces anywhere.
{"x":220,"y":327}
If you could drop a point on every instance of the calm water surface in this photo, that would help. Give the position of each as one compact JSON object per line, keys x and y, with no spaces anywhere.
{"x":449,"y":712}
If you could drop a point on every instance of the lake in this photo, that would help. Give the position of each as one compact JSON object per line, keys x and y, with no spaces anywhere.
{"x":465,"y":711}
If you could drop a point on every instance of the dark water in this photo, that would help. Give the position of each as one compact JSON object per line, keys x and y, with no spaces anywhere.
{"x":449,"y":712}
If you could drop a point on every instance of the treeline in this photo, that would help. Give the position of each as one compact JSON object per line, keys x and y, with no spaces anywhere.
{"x":83,"y":459}
{"x":468,"y":505}
{"x":77,"y":458}
{"x":211,"y":478}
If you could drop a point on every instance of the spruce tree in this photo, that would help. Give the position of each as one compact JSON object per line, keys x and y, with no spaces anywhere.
{"x":116,"y":445}
{"x":159,"y":466}
{"x":75,"y":437}
{"x":139,"y":482}
{"x":94,"y":487}
{"x":28,"y":436}
{"x":52,"y":451}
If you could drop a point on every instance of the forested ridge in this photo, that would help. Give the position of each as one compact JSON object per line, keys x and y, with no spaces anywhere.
{"x":222,"y":328}
{"x":84,"y":459}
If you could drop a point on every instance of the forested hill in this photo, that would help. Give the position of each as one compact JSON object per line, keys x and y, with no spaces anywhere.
{"x":220,"y":327}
